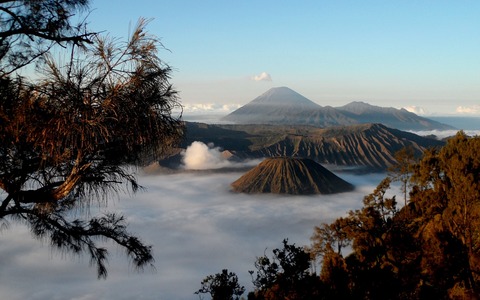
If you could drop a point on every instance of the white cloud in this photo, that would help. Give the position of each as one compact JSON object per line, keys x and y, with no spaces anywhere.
{"x":202,"y":108}
{"x":264,"y":76}
{"x":199,"y":156}
{"x":196,"y":226}
{"x":441,"y":134}
{"x":416,"y":110}
{"x":469,"y":110}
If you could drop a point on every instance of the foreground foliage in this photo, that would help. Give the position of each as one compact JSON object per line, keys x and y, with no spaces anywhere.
{"x":68,"y":138}
{"x":426,"y":249}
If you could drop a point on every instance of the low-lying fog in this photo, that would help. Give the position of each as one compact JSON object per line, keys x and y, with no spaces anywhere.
{"x":196,"y":226}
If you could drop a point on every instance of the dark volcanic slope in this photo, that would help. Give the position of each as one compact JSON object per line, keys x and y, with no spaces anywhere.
{"x":286,"y":175}
{"x":371,"y":146}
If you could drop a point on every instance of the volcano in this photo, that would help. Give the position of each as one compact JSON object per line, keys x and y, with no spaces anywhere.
{"x":288,"y":175}
{"x":275,"y":106}
{"x":284,"y":106}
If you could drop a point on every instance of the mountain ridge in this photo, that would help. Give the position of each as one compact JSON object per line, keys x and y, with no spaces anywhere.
{"x":367,"y":147}
{"x":282,"y":105}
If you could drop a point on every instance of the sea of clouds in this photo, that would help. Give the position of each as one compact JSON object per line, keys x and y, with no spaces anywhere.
{"x":196,"y":226}
{"x":442,"y":134}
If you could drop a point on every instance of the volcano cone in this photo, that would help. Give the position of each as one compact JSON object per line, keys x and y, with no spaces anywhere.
{"x":287,"y":175}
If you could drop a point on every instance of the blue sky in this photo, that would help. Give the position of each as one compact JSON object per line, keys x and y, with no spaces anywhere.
{"x":423,"y":54}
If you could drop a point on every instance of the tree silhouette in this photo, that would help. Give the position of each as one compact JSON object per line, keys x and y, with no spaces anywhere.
{"x":222,"y":286}
{"x":402,"y":171}
{"x":447,"y":196}
{"x":284,"y":276}
{"x":29,"y":29}
{"x":427,"y":249}
{"x":70,"y":139}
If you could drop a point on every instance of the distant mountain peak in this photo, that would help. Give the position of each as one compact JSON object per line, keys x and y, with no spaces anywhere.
{"x":361,"y":107}
{"x":283,"y":96}
{"x":280,"y":89}
{"x":282,"y":105}
{"x":273,"y":106}
{"x":358,"y":103}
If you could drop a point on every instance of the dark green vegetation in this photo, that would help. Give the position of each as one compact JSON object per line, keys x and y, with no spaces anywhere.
{"x":283,"y":106}
{"x":222,"y":286}
{"x":67,"y":137}
{"x":368,"y":147}
{"x":427,"y":249}
{"x":287,"y":175}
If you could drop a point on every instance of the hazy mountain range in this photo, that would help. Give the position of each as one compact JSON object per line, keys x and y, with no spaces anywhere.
{"x":281,"y":122}
{"x":283,"y":105}
{"x":365,"y":146}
